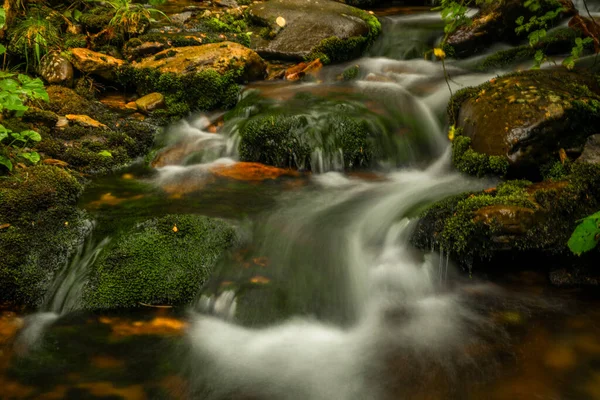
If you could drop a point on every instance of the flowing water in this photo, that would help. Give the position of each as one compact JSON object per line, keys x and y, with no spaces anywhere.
{"x":325,"y":299}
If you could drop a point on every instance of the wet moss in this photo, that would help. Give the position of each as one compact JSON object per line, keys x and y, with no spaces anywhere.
{"x":205,"y":90}
{"x":155,"y":263}
{"x":334,"y":49}
{"x":96,"y":19}
{"x":553,"y":209}
{"x":466,"y":160}
{"x":45,"y":227}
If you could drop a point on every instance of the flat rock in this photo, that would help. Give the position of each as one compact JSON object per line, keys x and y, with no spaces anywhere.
{"x":305,"y":25}
{"x":85,"y":120}
{"x":92,"y":62}
{"x":222,"y":57}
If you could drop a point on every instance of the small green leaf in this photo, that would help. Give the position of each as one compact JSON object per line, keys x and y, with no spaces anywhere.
{"x":105,"y":153}
{"x":32,"y":157}
{"x":31,"y":135}
{"x":586,"y":235}
{"x":6,"y":162}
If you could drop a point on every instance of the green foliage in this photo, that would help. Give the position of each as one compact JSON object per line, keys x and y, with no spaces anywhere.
{"x":13,"y":94}
{"x":128,"y":17}
{"x":33,"y":37}
{"x":586,"y":235}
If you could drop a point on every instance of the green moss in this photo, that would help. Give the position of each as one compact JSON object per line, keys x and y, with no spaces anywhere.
{"x":96,"y":19}
{"x":71,"y":41}
{"x":466,"y":160}
{"x":204,"y":90}
{"x":334,"y":49}
{"x":555,"y":208}
{"x":38,"y":203}
{"x":289,"y":137}
{"x":157,"y":264}
{"x":351,"y":73}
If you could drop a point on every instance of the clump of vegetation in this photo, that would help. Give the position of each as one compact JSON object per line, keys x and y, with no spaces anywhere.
{"x":128,"y":17}
{"x":14,"y":91}
{"x":33,"y":37}
{"x":586,"y":235}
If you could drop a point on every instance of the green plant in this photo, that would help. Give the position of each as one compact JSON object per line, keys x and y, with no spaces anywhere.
{"x":13,"y":93}
{"x":131,"y":18}
{"x":33,"y":37}
{"x":586,"y":235}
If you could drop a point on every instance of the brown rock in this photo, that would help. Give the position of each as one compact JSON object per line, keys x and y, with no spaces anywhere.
{"x":91,"y":62}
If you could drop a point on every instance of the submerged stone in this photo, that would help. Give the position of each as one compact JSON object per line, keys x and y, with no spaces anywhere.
{"x":161,"y":261}
{"x":297,"y":29}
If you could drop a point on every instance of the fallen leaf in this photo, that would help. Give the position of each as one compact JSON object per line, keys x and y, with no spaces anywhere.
{"x":261,"y":280}
{"x":175,"y":228}
{"x":4,"y":226}
{"x":280,"y":21}
{"x":563,"y":156}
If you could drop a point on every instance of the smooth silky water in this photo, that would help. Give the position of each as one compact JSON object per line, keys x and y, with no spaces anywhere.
{"x":324,"y":298}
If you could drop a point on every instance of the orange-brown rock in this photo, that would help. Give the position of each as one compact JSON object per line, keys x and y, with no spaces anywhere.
{"x":94,"y":63}
{"x":248,"y":171}
{"x":222,"y":57}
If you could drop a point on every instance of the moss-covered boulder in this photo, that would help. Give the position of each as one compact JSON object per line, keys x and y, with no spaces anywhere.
{"x":325,"y":29}
{"x":39,"y":229}
{"x":516,"y":219}
{"x":522,"y":121}
{"x":497,"y":22}
{"x":311,"y":132}
{"x":194,"y":77}
{"x":160,"y":261}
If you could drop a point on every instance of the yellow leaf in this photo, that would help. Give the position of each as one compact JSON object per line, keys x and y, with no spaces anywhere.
{"x":451,"y":133}
{"x":563,"y":156}
{"x":439,"y":53}
{"x":280,"y":21}
{"x":175,"y":228}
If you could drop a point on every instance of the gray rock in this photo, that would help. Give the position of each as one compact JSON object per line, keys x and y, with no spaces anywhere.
{"x":591,"y":151}
{"x":57,"y":69}
{"x":305,"y":25}
{"x":226,"y":3}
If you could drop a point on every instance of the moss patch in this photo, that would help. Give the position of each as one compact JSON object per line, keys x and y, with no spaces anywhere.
{"x":45,"y":227}
{"x":158,"y":264}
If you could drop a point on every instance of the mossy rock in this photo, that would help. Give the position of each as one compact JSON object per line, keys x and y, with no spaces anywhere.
{"x":497,"y":21}
{"x":312,"y":133}
{"x":524,"y":119}
{"x":160,"y":261}
{"x":557,"y":41}
{"x":515,"y":218}
{"x":328,"y":30}
{"x":45,"y":228}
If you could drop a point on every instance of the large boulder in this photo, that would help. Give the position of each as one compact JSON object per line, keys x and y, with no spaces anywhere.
{"x":194,"y":77}
{"x":497,"y":21}
{"x":514,"y":220}
{"x":40,"y":228}
{"x":221,"y":57}
{"x":299,"y":29}
{"x":161,"y":261}
{"x":522,"y":121}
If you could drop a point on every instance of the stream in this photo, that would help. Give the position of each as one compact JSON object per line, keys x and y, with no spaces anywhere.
{"x":324,"y":298}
